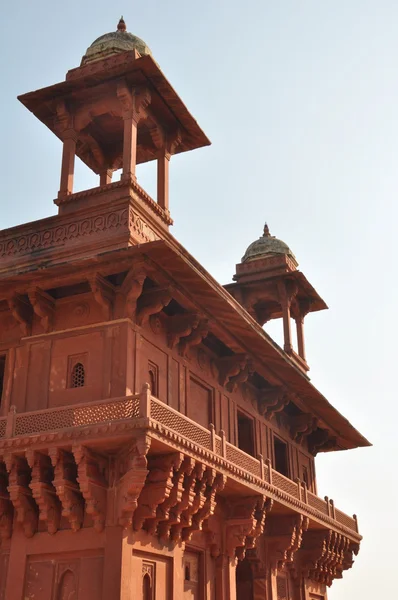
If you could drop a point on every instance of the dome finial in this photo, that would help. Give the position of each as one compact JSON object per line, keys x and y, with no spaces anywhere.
{"x":121,"y":26}
{"x":266,"y":231}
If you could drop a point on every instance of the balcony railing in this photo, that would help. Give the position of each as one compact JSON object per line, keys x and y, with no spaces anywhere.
{"x":165,"y":422}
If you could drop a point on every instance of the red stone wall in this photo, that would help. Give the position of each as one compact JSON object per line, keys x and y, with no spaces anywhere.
{"x":118,"y":357}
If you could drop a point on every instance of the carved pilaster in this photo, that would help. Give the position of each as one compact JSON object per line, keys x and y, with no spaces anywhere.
{"x":302,"y":426}
{"x":21,"y":310}
{"x":195,"y":337}
{"x":132,"y":468}
{"x":43,"y":490}
{"x":103,"y":293}
{"x":132,"y":289}
{"x":44,"y":306}
{"x":283,"y":538}
{"x":272,"y":400}
{"x":20,"y":493}
{"x":151,"y":303}
{"x":67,"y":488}
{"x":6,"y":507}
{"x":179,"y":326}
{"x":230,"y":366}
{"x":157,"y":489}
{"x":91,"y":476}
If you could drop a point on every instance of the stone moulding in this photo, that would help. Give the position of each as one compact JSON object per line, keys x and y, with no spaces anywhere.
{"x":122,"y":417}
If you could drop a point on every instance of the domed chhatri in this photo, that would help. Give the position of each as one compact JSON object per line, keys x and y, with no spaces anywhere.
{"x":265,"y":246}
{"x":114,"y":43}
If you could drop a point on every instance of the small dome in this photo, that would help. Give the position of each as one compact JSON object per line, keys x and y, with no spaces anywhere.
{"x":267,"y":245}
{"x":114,"y":43}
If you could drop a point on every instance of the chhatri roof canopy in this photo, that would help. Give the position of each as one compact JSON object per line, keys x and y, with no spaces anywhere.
{"x":92,"y":93}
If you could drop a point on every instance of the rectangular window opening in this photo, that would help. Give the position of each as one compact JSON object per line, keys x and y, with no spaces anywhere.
{"x":281,"y":457}
{"x":246,"y":434}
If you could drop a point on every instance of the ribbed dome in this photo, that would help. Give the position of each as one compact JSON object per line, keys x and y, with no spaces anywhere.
{"x":114,"y":43}
{"x":267,"y":245}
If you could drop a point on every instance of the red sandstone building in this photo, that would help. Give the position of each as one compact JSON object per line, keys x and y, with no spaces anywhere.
{"x":155,"y":443}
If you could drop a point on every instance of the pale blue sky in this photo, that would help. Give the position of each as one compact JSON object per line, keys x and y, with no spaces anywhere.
{"x":300,"y":102}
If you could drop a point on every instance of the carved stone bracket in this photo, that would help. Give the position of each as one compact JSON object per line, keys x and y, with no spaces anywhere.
{"x":283,"y":538}
{"x":63,"y":121}
{"x":320,"y":439}
{"x":6,"y":507}
{"x":241,"y":377}
{"x":157,"y":489}
{"x":195,"y":337}
{"x":21,"y":494}
{"x":163,"y":520}
{"x":179,"y":326}
{"x":177,"y":502}
{"x":44,"y":306}
{"x":192,"y":500}
{"x":230,"y":366}
{"x":103,"y":293}
{"x":21,"y":310}
{"x":67,"y":488}
{"x":244,"y":524}
{"x":43,"y":490}
{"x":132,"y":289}
{"x":151,"y":303}
{"x":302,"y":426}
{"x":132,"y":473}
{"x":324,"y":555}
{"x":92,"y":471}
{"x":272,"y":400}
{"x":134,"y":101}
{"x":215,"y":482}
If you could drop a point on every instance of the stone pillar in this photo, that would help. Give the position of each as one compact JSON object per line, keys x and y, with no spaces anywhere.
{"x":287,"y":334}
{"x":16,"y":566}
{"x":225,"y":584}
{"x":163,"y":179}
{"x":105,"y":177}
{"x":68,"y":163}
{"x":286,"y":292}
{"x":129,"y":147}
{"x":112,"y":574}
{"x":300,"y":336}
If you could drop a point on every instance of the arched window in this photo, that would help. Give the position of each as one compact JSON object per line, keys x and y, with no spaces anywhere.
{"x":77,"y":376}
{"x":153,"y":378}
{"x":152,"y":382}
{"x":67,"y":587}
{"x":146,"y":587}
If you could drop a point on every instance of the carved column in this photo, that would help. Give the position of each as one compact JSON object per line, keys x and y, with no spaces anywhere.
{"x":285,"y":301}
{"x":106,"y":177}
{"x":163,"y":178}
{"x":304,"y":307}
{"x":68,"y":163}
{"x":133,"y":103}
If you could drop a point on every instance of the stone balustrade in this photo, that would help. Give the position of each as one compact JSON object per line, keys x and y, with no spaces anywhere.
{"x":142,"y":411}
